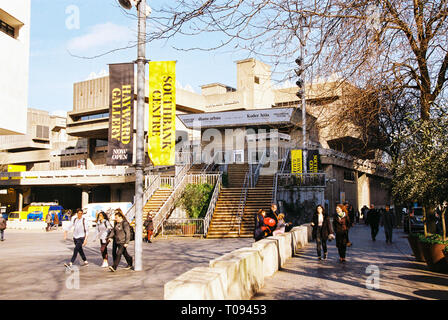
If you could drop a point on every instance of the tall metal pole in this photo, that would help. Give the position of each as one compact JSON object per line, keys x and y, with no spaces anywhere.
{"x":140,"y":143}
{"x":303,"y":101}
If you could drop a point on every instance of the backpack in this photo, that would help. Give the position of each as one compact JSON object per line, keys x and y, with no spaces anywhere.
{"x":132,"y":236}
{"x":2,"y":223}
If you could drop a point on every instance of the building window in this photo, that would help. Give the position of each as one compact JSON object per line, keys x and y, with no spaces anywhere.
{"x":287,"y":104}
{"x":42,"y":132}
{"x":349,"y":176}
{"x":6,"y":28}
{"x":94,"y":116}
{"x":257,"y":80}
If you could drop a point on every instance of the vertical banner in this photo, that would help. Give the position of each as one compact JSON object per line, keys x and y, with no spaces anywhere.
{"x":296,"y":161}
{"x":162,"y":112}
{"x":121,"y":114}
{"x":313,"y":161}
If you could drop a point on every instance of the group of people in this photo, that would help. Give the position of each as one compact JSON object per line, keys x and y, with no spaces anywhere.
{"x":324,"y":230}
{"x":270,"y":224}
{"x":120,"y":233}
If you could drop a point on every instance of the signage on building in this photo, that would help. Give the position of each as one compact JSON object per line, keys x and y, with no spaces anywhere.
{"x":162,"y":112}
{"x":16,"y":168}
{"x":121,"y":114}
{"x":296,"y":161}
{"x":237,"y":118}
{"x":313,"y":161}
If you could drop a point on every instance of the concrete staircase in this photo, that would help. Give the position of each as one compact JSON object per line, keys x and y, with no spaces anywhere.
{"x":224,"y":223}
{"x":259,"y":197}
{"x":154,"y":204}
{"x":197,"y":168}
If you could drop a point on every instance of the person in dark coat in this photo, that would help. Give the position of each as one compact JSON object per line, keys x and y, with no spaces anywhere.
{"x":373,"y":219}
{"x":321,"y":230}
{"x":261,"y":230}
{"x":341,"y":224}
{"x":121,"y":233}
{"x":388,"y":221}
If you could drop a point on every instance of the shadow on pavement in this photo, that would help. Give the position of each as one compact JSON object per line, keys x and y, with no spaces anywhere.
{"x":432,"y":294}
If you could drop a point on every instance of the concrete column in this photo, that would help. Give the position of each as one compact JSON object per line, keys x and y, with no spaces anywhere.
{"x":19,"y":200}
{"x":84,"y":197}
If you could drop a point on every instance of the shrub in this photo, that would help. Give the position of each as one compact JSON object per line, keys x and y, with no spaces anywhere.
{"x":195,"y":199}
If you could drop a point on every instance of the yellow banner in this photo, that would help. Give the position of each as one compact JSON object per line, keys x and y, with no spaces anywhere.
{"x":296,"y":161}
{"x":162,"y":112}
{"x":16,"y":168}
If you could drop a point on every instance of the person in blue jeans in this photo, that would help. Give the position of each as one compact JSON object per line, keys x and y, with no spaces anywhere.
{"x":80,"y":227}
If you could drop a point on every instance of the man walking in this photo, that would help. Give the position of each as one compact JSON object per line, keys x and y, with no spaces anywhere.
{"x":388,"y":221}
{"x":2,"y":227}
{"x":80,"y":228}
{"x":373,"y":219}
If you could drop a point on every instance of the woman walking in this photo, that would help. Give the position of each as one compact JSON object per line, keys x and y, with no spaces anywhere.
{"x":103,"y":227}
{"x":121,"y":233}
{"x":341,"y":224}
{"x":321,"y":230}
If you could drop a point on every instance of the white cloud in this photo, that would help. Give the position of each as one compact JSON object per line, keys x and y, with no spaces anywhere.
{"x":102,"y":36}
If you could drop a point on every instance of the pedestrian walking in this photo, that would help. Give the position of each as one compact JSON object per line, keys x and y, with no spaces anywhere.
{"x":149,"y":227}
{"x":373,"y":220}
{"x":2,"y":227}
{"x":340,"y":227}
{"x":80,"y":227}
{"x":261,"y":230}
{"x":388,"y":221}
{"x":121,"y":233}
{"x":351,"y":216}
{"x":103,"y":227}
{"x":364,"y":211}
{"x":56,"y":221}
{"x":48,"y":221}
{"x":322,"y":230}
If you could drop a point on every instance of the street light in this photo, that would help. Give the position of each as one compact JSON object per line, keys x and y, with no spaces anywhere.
{"x":143,"y":11}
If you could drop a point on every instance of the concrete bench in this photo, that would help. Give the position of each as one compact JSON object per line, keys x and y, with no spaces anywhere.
{"x":239,"y":274}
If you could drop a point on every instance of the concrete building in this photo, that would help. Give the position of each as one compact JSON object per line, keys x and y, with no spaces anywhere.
{"x":251,"y":110}
{"x":14,"y":65}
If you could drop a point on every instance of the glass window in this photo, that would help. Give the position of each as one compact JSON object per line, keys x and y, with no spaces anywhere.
{"x":6,"y":28}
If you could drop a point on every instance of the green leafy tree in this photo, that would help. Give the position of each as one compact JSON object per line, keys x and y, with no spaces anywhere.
{"x":421,"y":172}
{"x":195,"y":199}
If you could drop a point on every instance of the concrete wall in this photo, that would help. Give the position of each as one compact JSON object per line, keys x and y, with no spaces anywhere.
{"x":14,"y":65}
{"x":238,"y":275}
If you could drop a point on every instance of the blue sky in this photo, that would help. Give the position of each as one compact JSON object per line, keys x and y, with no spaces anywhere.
{"x":102,"y":27}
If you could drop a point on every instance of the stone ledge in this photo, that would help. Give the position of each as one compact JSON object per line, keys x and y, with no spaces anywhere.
{"x":239,"y":274}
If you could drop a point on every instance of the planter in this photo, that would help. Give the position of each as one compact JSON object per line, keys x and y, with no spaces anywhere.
{"x":433,"y":253}
{"x":189,"y":230}
{"x":416,"y":248}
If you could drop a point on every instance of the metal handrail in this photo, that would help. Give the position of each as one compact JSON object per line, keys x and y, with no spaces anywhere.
{"x":211,"y":207}
{"x":274,"y":189}
{"x":212,"y":161}
{"x":242,"y":203}
{"x":163,"y":212}
{"x":147,"y":194}
{"x":256,"y":174}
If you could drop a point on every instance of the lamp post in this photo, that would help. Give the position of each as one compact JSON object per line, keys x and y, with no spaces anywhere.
{"x":143,"y":11}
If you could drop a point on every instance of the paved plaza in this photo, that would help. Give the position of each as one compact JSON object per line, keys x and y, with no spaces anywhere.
{"x":400,"y":277}
{"x":31,"y":266}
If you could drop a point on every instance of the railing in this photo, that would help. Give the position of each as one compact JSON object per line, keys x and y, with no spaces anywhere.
{"x":181,"y":227}
{"x":301,"y":180}
{"x":274,"y":189}
{"x":163,"y":213}
{"x":212,"y":204}
{"x":149,"y":179}
{"x":147,"y":194}
{"x":203,"y":178}
{"x":211,"y":164}
{"x":242,"y":203}
{"x":256,"y":174}
{"x":67,"y":173}
{"x":179,"y":176}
